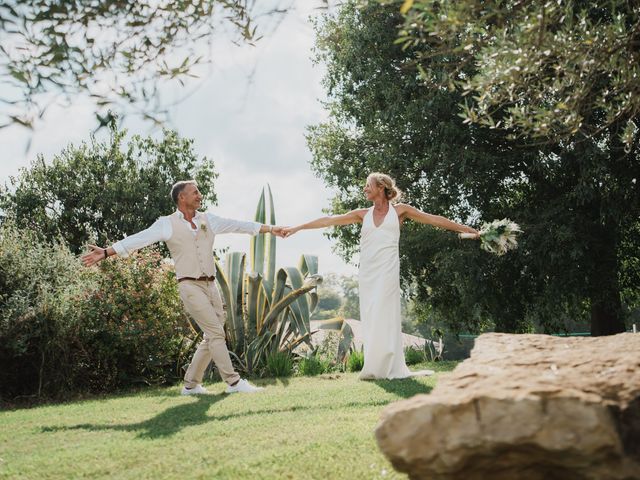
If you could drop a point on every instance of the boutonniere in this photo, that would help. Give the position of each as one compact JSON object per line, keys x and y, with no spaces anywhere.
{"x":203,"y":227}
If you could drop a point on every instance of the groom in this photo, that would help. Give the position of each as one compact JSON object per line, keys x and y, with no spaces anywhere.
{"x":189,"y":234}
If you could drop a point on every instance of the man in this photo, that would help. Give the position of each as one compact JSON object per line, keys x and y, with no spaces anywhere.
{"x":190,"y":234}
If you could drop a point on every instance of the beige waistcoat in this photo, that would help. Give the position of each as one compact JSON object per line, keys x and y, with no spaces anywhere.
{"x":192,"y":254}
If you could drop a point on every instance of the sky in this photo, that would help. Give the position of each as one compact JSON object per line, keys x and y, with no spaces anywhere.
{"x":248,"y":113}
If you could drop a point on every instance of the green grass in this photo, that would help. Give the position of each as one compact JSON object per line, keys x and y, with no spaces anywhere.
{"x":302,"y":427}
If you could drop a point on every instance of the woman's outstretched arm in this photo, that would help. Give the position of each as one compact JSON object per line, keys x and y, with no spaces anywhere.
{"x":354,"y":216}
{"x":436,"y":220}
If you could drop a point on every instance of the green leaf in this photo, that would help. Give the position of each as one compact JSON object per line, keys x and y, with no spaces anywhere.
{"x":258,"y":241}
{"x":271,"y":245}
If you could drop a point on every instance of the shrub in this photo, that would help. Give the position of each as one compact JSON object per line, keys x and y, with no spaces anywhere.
{"x":312,"y":365}
{"x":136,"y":324}
{"x":413,"y":355}
{"x":355,"y":361}
{"x":279,"y":364}
{"x":67,"y":329}
{"x":41,"y":286}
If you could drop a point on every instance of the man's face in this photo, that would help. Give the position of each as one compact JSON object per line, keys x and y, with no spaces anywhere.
{"x":191,"y":197}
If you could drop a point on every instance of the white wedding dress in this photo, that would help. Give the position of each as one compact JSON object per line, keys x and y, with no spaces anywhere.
{"x":379,"y":285}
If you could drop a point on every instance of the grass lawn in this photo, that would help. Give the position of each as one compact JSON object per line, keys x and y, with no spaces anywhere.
{"x":301,"y":427}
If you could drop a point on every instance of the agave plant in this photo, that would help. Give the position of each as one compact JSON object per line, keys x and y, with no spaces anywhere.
{"x":267,"y":310}
{"x":345,"y":335}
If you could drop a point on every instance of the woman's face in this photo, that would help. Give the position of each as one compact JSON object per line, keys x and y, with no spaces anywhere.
{"x":372,"y":190}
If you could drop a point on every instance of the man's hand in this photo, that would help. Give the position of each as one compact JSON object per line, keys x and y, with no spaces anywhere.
{"x":95,"y":255}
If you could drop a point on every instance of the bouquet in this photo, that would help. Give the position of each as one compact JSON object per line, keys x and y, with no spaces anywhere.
{"x":498,"y":236}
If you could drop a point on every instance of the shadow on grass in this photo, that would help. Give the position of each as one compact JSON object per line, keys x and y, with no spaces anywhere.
{"x":174,"y":419}
{"x":403,"y":387}
{"x":165,"y":424}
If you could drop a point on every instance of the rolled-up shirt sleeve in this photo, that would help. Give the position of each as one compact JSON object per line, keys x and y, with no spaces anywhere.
{"x":160,"y":231}
{"x":227,"y":225}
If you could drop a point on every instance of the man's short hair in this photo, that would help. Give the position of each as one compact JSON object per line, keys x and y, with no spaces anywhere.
{"x":179,"y":187}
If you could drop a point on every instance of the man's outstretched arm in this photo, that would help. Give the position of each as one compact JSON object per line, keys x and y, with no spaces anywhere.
{"x":160,"y":231}
{"x":228,"y":225}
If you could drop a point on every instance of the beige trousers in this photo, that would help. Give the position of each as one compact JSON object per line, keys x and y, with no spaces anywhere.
{"x":203,"y":303}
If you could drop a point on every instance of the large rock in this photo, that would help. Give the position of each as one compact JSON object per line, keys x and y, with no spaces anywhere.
{"x":525,"y":407}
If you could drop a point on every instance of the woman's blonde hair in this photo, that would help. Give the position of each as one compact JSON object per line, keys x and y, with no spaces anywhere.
{"x":391,"y":191}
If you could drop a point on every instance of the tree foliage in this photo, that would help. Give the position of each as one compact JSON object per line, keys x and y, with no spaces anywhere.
{"x":117,"y":52}
{"x":329,"y":302}
{"x":546,"y":70}
{"x":558,"y":73}
{"x":575,"y":201}
{"x":338,"y":297}
{"x":103,"y":190}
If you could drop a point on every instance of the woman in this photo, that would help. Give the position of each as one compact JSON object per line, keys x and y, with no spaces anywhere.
{"x":379,"y":273}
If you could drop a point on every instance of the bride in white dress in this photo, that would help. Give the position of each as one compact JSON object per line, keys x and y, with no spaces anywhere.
{"x":379,"y":273}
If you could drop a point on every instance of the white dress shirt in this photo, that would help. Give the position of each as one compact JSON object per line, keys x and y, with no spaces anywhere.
{"x":161,"y":231}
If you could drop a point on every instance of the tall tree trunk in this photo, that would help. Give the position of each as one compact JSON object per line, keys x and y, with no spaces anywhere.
{"x":606,"y":306}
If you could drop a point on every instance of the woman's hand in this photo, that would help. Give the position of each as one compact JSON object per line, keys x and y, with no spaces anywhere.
{"x":272,"y":229}
{"x":469,"y":234}
{"x":288,"y":231}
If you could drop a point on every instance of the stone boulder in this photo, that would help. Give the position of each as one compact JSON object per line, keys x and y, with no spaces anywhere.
{"x":525,"y":407}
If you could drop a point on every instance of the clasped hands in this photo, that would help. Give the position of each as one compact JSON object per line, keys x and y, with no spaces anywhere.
{"x":283,"y":232}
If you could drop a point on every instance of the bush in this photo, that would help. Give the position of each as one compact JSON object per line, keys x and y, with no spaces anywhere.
{"x":414,"y":355}
{"x":136,"y":324}
{"x":66,"y":329}
{"x":41,"y":286}
{"x":279,"y":364}
{"x":355,"y":361}
{"x":312,"y":365}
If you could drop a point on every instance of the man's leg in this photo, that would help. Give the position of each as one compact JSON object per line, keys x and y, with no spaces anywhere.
{"x":202,"y":301}
{"x":199,"y":363}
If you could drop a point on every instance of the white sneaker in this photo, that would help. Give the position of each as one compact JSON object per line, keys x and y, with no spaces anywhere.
{"x":243,"y":387}
{"x":197,"y":390}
